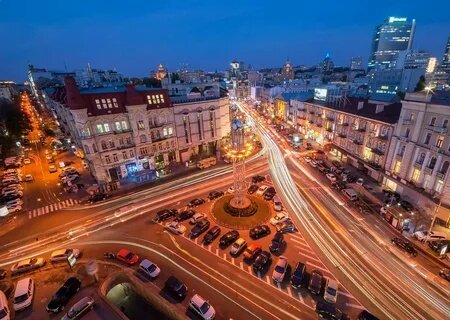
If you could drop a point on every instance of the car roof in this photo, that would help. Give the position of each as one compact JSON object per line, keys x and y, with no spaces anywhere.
{"x":59,"y":252}
{"x":198,"y":300}
{"x":123,"y":252}
{"x":146,"y":263}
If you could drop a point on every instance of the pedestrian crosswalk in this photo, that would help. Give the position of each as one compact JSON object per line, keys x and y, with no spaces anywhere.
{"x":51,"y":208}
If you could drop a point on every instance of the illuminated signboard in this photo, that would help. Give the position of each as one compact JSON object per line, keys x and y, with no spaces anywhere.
{"x":320,"y":94}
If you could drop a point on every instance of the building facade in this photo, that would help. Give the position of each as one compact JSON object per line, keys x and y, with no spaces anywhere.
{"x":419,"y":156}
{"x":356,"y":63}
{"x":445,"y":65}
{"x":391,"y":37}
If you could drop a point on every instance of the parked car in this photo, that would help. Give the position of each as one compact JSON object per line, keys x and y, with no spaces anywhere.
{"x":14,"y":208}
{"x":149,"y":268}
{"x":252,"y":251}
{"x":307,"y":159}
{"x":252,"y":189}
{"x":184,"y":215}
{"x":277,"y":242}
{"x":315,"y":282}
{"x":331,"y":177}
{"x":286,"y":226}
{"x":259,"y":231}
{"x":196,"y":202}
{"x":280,"y":217}
{"x":212,"y":234}
{"x":197,"y":217}
{"x":360,"y":181}
{"x":258,"y":178}
{"x":52,"y":168}
{"x":27,"y":265}
{"x":64,"y":254}
{"x":238,"y":246}
{"x":406,"y":205}
{"x":97,"y":197}
{"x":80,"y":309}
{"x":280,"y":269}
{"x":405,"y":246}
{"x":329,"y":311}
{"x":28,"y":178}
{"x":366,"y":315}
{"x":165,"y":214}
{"x":445,"y":273}
{"x":438,"y":245}
{"x":269,"y":193}
{"x":200,"y":227}
{"x":127,"y":256}
{"x":228,"y":238}
{"x":175,"y":288}
{"x":63,"y":295}
{"x":331,"y":291}
{"x":262,"y":260}
{"x":261,"y":190}
{"x":215,"y":194}
{"x":277,"y":204}
{"x":298,"y":275}
{"x":202,"y":307}
{"x":175,"y":227}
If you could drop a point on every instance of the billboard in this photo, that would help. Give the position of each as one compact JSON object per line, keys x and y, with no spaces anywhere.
{"x":320,"y":94}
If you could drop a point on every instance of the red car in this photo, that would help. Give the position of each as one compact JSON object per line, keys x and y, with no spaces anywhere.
{"x":127,"y":256}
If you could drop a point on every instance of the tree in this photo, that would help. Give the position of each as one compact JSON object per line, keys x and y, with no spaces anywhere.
{"x":151,"y":82}
{"x":13,"y":123}
{"x":420,"y":84}
{"x":175,"y":76}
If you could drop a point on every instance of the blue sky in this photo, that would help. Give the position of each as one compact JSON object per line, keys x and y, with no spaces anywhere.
{"x":135,"y":36}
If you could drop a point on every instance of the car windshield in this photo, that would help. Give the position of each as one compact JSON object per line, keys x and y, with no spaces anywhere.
{"x":331,"y":291}
{"x":204,"y":307}
{"x":279,"y":269}
{"x":129,"y":256}
{"x":33,"y":261}
{"x":21,"y":298}
{"x":151,"y":267}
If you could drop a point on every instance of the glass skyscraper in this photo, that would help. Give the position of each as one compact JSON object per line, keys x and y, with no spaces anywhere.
{"x":445,"y":66}
{"x":391,"y":37}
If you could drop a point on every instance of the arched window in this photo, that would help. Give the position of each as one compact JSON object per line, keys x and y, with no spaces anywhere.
{"x":420,"y":158}
{"x":444,"y":167}
{"x":432,"y":163}
{"x":86,"y":149}
{"x":104,"y":146}
{"x":143,"y":138}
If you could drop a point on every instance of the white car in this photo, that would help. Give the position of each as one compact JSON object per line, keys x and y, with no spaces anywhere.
{"x":64,"y":254}
{"x":230,"y":189}
{"x":261,"y":190}
{"x":202,"y":307}
{"x":331,"y":177}
{"x":175,"y":227}
{"x":277,"y":204}
{"x":149,"y":268}
{"x":307,"y":159}
{"x":27,"y":265}
{"x":313,"y":163}
{"x":360,"y":181}
{"x":280,"y":269}
{"x":238,"y":246}
{"x":331,"y":291}
{"x":280,"y":217}
{"x":197,"y":217}
{"x":26,"y":161}
{"x":15,"y":208}
{"x":70,"y":178}
{"x":28,"y":178}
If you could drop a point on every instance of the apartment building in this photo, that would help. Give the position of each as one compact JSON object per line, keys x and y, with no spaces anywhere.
{"x":419,"y":155}
{"x":356,"y":131}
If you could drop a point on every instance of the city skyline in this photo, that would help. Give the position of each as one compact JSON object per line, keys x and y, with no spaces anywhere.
{"x":210,"y":43}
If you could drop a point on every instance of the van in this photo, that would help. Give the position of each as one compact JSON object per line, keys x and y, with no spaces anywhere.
{"x":4,"y":310}
{"x":23,"y":295}
{"x":350,"y":194}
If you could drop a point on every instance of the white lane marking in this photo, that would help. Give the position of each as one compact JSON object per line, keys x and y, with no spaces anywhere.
{"x":345,"y":294}
{"x":268,"y":279}
{"x":249,"y":269}
{"x":355,"y":306}
{"x":39,"y":211}
{"x":309,"y":257}
{"x":217,"y":252}
{"x":195,"y":240}
{"x":51,"y":208}
{"x":306,"y":250}
{"x":300,"y":297}
{"x":70,"y":202}
{"x":224,"y":256}
{"x":296,"y":236}
{"x":209,"y":248}
{"x":318,"y":267}
{"x":241,"y":264}
{"x":232,"y":260}
{"x":30,"y":214}
{"x":288,"y":287}
{"x":46,"y":209}
{"x":300,"y":242}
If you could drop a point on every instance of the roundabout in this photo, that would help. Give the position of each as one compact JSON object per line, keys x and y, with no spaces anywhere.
{"x":255,"y":212}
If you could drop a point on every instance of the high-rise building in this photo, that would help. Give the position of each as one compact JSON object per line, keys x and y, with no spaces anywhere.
{"x":287,"y":72}
{"x":327,"y":64}
{"x":391,"y":37}
{"x":356,"y":63}
{"x":445,"y":66}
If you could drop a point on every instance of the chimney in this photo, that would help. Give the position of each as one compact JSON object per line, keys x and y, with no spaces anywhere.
{"x":360,"y":105}
{"x":379,"y":108}
{"x":74,"y":100}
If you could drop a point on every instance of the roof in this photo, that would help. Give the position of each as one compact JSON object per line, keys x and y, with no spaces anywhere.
{"x":102,"y":90}
{"x":385,"y":97}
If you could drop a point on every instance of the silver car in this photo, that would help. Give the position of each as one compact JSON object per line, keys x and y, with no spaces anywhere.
{"x":79,"y":309}
{"x":280,"y":269}
{"x":27,"y":265}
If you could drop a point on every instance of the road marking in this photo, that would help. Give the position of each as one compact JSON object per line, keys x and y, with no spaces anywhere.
{"x":30,"y":214}
{"x":306,"y":250}
{"x":309,"y":257}
{"x":300,"y":242}
{"x":355,"y":306}
{"x":241,"y":264}
{"x":268,"y":279}
{"x":249,"y":269}
{"x":46,"y":209}
{"x":39,"y":211}
{"x":318,"y":267}
{"x":279,"y":285}
{"x":300,"y":297}
{"x":51,"y":208}
{"x":195,"y":240}
{"x":209,"y":248}
{"x":225,"y":256}
{"x":70,"y":202}
{"x":232,"y":260}
{"x":345,"y":294}
{"x":217,"y":252}
{"x":297,"y":236}
{"x":288,"y":287}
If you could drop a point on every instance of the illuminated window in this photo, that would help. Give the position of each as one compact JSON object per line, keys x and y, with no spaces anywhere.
{"x":124,"y":125}
{"x":118,"y":126}
{"x":105,"y":106}
{"x":109,"y":103}
{"x":415,"y":175}
{"x":106,"y":126}
{"x":140,"y":125}
{"x":100,"y":128}
{"x":114,"y":100}
{"x":98,"y":104}
{"x":439,"y":142}
{"x":397,"y":167}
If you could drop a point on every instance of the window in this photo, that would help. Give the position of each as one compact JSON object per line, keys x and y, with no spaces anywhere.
{"x":186,"y":126}
{"x":109,"y":103}
{"x":143,"y":150}
{"x":164,"y":132}
{"x":439,"y":186}
{"x":104,"y":146}
{"x":160,"y":146}
{"x":86,"y":149}
{"x":212,"y":123}
{"x":432,"y":162}
{"x":105,"y":106}
{"x":124,"y":155}
{"x":94,"y":147}
{"x":420,"y":158}
{"x":111,"y":144}
{"x":200,"y":125}
{"x":106,"y":126}
{"x":167,"y":145}
{"x":118,"y":126}
{"x":401,"y":151}
{"x":121,"y":141}
{"x":115,"y":158}
{"x":397,"y":167}
{"x":444,"y":167}
{"x":124,"y":125}
{"x":445,"y":123}
{"x":140,"y":125}
{"x":161,"y":97}
{"x":98,"y":104}
{"x":439,"y":141}
{"x":411,"y":117}
{"x":131,"y":153}
{"x":115,"y":104}
{"x":142,"y":138}
{"x":415,"y":175}
{"x":154,"y":148}
{"x":100,"y":129}
{"x":433,"y":121}
{"x":407,"y":133}
{"x":173,"y":144}
{"x":107,"y":159}
{"x":427,"y":138}
{"x":128,"y":140}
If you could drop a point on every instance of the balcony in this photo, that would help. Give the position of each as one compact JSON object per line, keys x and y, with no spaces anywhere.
{"x":440,"y":175}
{"x":357,"y":142}
{"x":437,"y":129}
{"x":361,"y":129}
{"x":156,"y":139}
{"x":301,"y":109}
{"x":378,"y":151}
{"x":122,"y":131}
{"x":345,"y":124}
{"x":382,"y":137}
{"x":374,"y":165}
{"x":85,"y":137}
{"x":342,"y":135}
{"x":428,"y":170}
{"x":331,"y":119}
{"x":126,"y":146}
{"x":418,"y":165}
{"x":407,"y":121}
{"x":437,"y":149}
{"x":159,"y":125}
